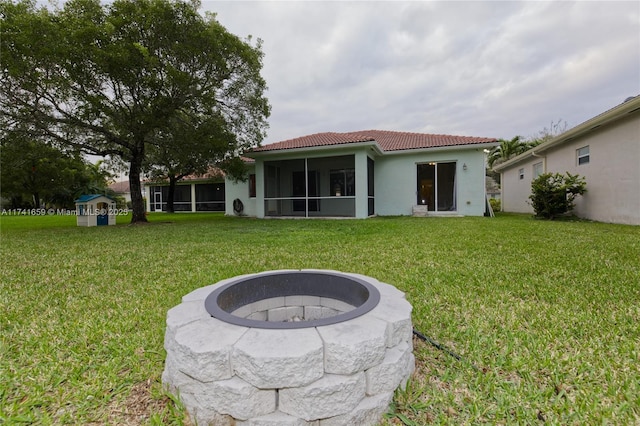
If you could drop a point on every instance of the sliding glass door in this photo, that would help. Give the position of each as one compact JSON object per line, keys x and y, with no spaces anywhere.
{"x":437,"y":186}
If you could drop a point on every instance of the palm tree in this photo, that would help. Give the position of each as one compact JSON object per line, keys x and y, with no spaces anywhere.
{"x":507,"y":149}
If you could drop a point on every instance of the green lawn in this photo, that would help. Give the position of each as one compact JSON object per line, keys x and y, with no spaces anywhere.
{"x":545,"y":315}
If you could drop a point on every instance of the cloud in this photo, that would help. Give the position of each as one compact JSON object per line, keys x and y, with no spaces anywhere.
{"x":471,"y":68}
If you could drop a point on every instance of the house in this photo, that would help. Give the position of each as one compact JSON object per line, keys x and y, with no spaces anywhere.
{"x":605,"y":150}
{"x":194,"y":193}
{"x":121,"y":189}
{"x":364,"y":173}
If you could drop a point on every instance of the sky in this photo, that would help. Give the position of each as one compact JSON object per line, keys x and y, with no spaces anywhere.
{"x":478,"y":68}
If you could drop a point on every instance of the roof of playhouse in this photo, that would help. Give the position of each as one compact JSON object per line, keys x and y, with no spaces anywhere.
{"x":90,"y":197}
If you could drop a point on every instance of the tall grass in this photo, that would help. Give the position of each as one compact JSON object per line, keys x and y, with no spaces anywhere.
{"x":546,"y":312}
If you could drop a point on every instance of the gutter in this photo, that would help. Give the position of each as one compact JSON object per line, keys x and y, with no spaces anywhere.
{"x":317,"y":148}
{"x":621,"y":111}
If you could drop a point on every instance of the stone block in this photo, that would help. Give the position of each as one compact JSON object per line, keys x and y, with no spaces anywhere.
{"x":201,"y":293}
{"x":393,"y":371}
{"x":420,"y":211}
{"x":312,"y":312}
{"x":354,"y":345}
{"x":258,"y":316}
{"x":243,"y":311}
{"x":389,"y":291}
{"x":202,"y":349}
{"x":328,"y":312}
{"x":183,"y":314}
{"x":277,"y":418}
{"x":286,"y":313}
{"x":330,"y":396}
{"x":295,"y":300}
{"x":397,"y":312}
{"x":266,"y":304}
{"x":173,"y":379}
{"x":279,"y":358}
{"x":238,"y":399}
{"x":310,"y":300}
{"x":207,"y":417}
{"x":336,"y":304}
{"x":368,"y":412}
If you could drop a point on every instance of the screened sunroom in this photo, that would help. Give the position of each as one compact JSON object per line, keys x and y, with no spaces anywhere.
{"x":314,"y":187}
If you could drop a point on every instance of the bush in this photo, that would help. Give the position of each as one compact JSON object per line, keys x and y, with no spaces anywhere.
{"x":552,"y":194}
{"x":495,"y":204}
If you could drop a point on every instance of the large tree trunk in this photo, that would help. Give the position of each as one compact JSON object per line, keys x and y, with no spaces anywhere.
{"x":137,"y":202}
{"x":171,"y":194}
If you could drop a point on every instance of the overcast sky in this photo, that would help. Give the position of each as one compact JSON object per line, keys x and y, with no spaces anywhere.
{"x":481,"y":68}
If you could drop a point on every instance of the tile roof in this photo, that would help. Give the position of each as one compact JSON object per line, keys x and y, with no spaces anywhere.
{"x":120,"y":187}
{"x":387,"y":140}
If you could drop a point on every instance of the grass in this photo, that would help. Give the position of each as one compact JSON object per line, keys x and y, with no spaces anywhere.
{"x":543,"y":314}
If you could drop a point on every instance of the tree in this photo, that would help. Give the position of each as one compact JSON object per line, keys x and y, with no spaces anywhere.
{"x":554,"y":129}
{"x":110,"y":79}
{"x":507,"y":149}
{"x":34,"y":173}
{"x":210,"y":144}
{"x":553,"y":194}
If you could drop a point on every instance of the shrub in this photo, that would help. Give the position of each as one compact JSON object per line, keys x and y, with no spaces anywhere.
{"x":552,"y":194}
{"x":495,"y":204}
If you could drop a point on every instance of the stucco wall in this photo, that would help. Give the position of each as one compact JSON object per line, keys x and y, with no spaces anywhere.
{"x":612,"y":174}
{"x":239,"y":190}
{"x":396,"y":180}
{"x":515,"y":191}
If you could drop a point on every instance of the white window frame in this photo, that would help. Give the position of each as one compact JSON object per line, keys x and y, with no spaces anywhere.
{"x":521,"y":174}
{"x":583,"y":157}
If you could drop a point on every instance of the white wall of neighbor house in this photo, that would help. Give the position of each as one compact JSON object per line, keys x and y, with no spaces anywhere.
{"x":240,"y":190}
{"x":612,"y":174}
{"x":396,"y":181}
{"x":515,"y":185}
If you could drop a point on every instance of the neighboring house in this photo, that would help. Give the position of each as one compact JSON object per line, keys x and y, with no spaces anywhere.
{"x":365,"y":173}
{"x":194,"y":193}
{"x":605,"y":150}
{"x":122,"y":189}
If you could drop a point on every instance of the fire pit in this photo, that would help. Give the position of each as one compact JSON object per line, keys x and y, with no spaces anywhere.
{"x":289,"y":348}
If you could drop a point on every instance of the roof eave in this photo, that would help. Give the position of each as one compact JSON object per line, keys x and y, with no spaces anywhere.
{"x":303,"y":150}
{"x":486,"y":145}
{"x":606,"y":117}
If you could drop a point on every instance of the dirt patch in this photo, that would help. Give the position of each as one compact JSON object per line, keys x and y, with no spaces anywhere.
{"x":139,"y":406}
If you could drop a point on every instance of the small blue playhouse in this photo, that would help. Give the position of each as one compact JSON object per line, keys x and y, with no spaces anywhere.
{"x":95,"y":210}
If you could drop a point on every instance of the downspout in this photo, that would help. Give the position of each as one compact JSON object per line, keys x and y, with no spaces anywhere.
{"x":544,"y":160}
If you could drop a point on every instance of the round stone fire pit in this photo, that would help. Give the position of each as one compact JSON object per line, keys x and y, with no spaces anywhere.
{"x":308,"y":347}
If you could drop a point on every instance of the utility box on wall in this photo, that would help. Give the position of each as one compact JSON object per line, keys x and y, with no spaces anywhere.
{"x":95,"y":210}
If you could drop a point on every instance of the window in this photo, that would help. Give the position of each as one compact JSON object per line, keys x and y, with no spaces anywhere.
{"x":521,"y":174}
{"x":252,"y":185}
{"x":583,"y":155}
{"x":537,"y":170}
